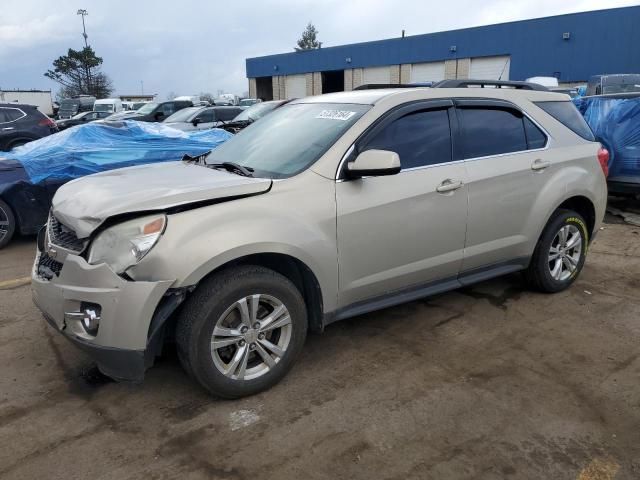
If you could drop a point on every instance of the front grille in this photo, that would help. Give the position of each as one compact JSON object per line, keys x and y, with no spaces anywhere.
{"x":63,"y":236}
{"x":48,"y":267}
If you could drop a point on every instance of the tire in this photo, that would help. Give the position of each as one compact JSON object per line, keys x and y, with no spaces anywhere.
{"x":216,"y":306}
{"x":7,"y":224}
{"x":554,"y":267}
{"x":18,"y":143}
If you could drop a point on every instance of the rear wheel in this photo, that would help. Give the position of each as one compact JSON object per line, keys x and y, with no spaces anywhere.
{"x":241,"y":331}
{"x":7,"y":224}
{"x":560,"y":253}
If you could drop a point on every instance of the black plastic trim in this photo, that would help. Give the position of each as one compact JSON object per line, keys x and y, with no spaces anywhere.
{"x":415,"y":292}
{"x":119,"y":364}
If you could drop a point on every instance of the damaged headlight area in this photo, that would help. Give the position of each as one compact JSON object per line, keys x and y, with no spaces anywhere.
{"x":125,"y":244}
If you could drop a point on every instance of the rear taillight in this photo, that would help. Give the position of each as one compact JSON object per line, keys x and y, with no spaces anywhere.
{"x":47,"y":122}
{"x":603,"y":158}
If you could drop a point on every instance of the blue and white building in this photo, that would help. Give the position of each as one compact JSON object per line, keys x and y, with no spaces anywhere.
{"x":570,"y":47}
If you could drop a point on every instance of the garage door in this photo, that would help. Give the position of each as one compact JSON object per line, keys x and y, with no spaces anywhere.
{"x":427,"y":72}
{"x":490,"y":68}
{"x":376,"y":75}
{"x":295,"y":86}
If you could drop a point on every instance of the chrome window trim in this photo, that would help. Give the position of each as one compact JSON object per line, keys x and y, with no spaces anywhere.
{"x":13,"y":108}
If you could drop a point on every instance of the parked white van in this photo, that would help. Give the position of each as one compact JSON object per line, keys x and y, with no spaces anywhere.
{"x":110,"y":105}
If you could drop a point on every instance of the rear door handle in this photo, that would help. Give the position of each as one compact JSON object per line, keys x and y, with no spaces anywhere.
{"x":539,"y":164}
{"x":449,"y":185}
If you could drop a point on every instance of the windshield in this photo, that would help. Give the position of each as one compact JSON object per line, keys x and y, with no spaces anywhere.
{"x":289,"y":140}
{"x":148,"y":108}
{"x":103,"y":107}
{"x":255,"y":112}
{"x":183,"y":115}
{"x":69,"y":106}
{"x":80,"y":115}
{"x":247,"y":102}
{"x":621,"y":88}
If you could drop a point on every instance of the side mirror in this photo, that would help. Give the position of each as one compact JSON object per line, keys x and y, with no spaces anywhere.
{"x":159,"y":115}
{"x":196,"y":121}
{"x":374,"y":163}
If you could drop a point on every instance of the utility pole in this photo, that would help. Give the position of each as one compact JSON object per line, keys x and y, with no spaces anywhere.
{"x":84,"y":13}
{"x":142,"y":87}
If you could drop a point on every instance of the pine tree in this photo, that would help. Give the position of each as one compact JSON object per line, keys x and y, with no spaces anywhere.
{"x":308,"y":41}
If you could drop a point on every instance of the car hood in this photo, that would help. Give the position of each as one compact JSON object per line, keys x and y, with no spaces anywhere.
{"x":84,"y":204}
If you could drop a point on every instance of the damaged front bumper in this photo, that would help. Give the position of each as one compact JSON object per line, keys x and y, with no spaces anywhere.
{"x":116,"y":321}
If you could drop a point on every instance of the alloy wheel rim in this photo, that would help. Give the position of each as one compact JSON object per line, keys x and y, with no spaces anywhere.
{"x":564,"y":253}
{"x":4,"y":224}
{"x":251,"y":337}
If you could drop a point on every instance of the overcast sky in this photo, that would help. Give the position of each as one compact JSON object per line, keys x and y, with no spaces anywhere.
{"x":187,"y":47}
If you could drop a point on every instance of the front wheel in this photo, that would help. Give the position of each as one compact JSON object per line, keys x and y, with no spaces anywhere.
{"x":241,"y":331}
{"x":560,"y":253}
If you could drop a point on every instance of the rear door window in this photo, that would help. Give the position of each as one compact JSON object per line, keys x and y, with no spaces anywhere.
{"x":567,"y":114}
{"x":10,"y":114}
{"x":490,"y":131}
{"x":419,"y":138}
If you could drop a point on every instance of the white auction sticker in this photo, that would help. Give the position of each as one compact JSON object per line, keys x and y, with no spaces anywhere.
{"x":336,"y":114}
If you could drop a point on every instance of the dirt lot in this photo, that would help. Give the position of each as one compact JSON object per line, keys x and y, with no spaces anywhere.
{"x":490,"y":382}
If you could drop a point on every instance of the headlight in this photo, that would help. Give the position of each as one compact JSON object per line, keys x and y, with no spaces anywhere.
{"x":125,"y":244}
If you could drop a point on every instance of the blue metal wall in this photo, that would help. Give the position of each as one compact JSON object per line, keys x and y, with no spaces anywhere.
{"x":604,"y":41}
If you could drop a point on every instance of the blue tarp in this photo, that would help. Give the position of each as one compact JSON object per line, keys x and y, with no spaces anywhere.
{"x":96,"y":147}
{"x":615,"y":121}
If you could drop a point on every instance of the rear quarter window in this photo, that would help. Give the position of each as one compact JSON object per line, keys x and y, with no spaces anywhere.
{"x":567,"y":114}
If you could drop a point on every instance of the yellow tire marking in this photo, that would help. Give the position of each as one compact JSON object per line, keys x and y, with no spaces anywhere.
{"x":599,"y":469}
{"x":16,"y":282}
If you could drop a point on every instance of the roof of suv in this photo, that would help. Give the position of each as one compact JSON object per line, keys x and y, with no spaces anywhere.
{"x":371,"y":97}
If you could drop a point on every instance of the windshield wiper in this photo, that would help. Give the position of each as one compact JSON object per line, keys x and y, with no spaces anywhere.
{"x":233,"y":168}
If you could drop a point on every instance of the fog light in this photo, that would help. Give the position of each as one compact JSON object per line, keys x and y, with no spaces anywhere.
{"x":88,"y":317}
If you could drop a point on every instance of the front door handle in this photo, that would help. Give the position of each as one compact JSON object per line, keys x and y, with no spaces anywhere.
{"x":8,"y":128}
{"x":449,"y":185}
{"x":539,"y":164}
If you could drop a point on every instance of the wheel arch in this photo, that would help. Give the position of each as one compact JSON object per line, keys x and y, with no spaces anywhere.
{"x":293,"y":269}
{"x":582,"y":205}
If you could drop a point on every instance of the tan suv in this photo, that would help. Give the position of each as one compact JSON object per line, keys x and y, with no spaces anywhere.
{"x":330,"y":207}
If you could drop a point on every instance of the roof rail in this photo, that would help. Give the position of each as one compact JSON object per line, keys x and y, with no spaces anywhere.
{"x":376,"y":86}
{"x":490,"y":83}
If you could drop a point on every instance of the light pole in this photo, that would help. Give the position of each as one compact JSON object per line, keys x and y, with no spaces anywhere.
{"x":142,"y":87}
{"x":84,"y":13}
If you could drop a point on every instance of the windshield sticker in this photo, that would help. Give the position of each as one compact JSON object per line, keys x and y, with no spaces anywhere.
{"x":336,"y":114}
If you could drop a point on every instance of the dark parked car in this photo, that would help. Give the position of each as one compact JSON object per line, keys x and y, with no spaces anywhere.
{"x":81,"y":118}
{"x":201,"y":118}
{"x":251,"y":114}
{"x":158,"y":111}
{"x":20,"y":124}
{"x":30,"y":176}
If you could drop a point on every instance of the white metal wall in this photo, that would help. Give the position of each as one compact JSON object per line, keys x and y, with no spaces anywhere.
{"x":490,"y":68}
{"x":376,"y":75}
{"x":295,"y":86}
{"x":427,"y":72}
{"x":42,"y":100}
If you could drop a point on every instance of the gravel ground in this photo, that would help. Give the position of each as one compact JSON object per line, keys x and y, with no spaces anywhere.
{"x":489,"y":382}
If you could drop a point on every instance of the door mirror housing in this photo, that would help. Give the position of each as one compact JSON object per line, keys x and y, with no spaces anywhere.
{"x":374,"y":163}
{"x":196,"y":121}
{"x":159,"y":115}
